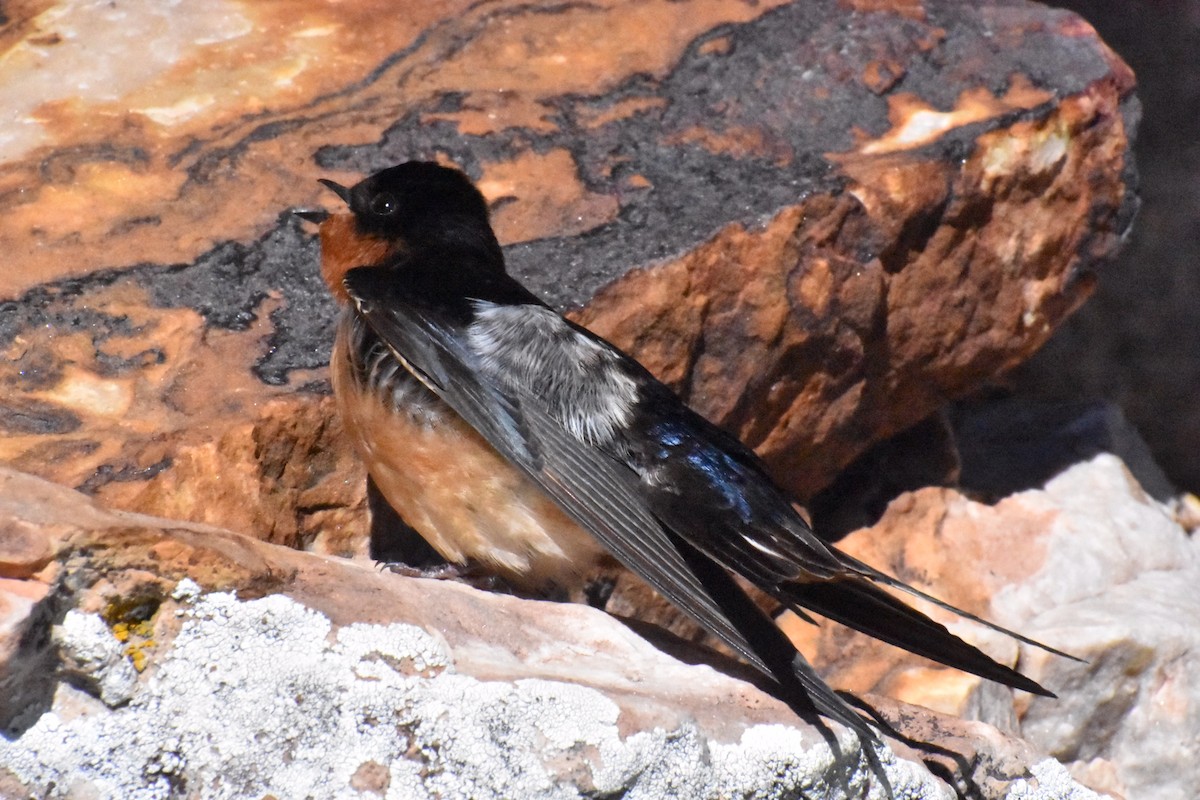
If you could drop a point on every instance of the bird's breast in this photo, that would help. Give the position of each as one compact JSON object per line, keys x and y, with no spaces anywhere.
{"x":343,"y":248}
{"x":445,"y":480}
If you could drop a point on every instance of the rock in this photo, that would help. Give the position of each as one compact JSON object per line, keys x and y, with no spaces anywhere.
{"x":23,"y":551}
{"x":1134,"y":343}
{"x":25,"y":658}
{"x":988,"y":447}
{"x":259,"y":670}
{"x":926,"y":454}
{"x":92,"y":657}
{"x":1016,"y":443}
{"x":817,"y":220}
{"x":1090,"y":564}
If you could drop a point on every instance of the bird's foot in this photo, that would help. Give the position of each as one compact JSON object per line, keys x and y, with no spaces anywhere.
{"x":470,"y":574}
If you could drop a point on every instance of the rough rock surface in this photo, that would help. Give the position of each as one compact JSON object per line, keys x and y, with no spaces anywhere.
{"x":1134,"y":343}
{"x":1090,"y":564}
{"x":292,"y":674}
{"x":817,"y":220}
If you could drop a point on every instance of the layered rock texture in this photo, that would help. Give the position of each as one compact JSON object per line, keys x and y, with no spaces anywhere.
{"x":818,"y":221}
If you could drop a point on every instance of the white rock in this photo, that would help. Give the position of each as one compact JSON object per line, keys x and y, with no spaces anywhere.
{"x":93,"y":654}
{"x":264,"y":697}
{"x":1120,"y":588}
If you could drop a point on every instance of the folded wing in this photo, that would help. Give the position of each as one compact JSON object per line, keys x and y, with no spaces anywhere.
{"x":598,"y":492}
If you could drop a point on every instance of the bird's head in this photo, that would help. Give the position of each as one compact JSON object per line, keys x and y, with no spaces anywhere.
{"x":418,"y":207}
{"x":412,"y":200}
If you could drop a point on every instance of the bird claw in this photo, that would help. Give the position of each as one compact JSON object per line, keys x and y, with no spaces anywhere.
{"x":469,"y":574}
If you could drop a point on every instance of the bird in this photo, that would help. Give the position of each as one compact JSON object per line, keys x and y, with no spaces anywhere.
{"x":521,"y":443}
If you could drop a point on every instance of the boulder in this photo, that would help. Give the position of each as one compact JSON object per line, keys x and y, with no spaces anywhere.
{"x":816,"y":220}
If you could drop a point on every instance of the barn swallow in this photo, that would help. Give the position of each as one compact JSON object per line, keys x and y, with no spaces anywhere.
{"x":514,"y":439}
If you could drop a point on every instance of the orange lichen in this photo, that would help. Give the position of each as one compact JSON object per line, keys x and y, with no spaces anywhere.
{"x":131,"y":620}
{"x":912,"y":9}
{"x":622,"y":109}
{"x":916,"y":124}
{"x":739,"y":141}
{"x":549,"y":199}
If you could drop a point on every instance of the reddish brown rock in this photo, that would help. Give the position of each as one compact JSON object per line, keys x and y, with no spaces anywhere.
{"x":23,"y":550}
{"x":816,"y":220}
{"x":282,"y":473}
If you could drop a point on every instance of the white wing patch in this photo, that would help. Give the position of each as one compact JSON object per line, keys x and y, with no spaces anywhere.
{"x":532,"y":350}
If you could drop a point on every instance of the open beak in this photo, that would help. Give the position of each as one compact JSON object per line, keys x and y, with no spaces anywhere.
{"x":319,"y":215}
{"x":336,"y":188}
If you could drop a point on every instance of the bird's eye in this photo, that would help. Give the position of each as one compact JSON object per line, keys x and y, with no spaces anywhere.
{"x":383,"y":205}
